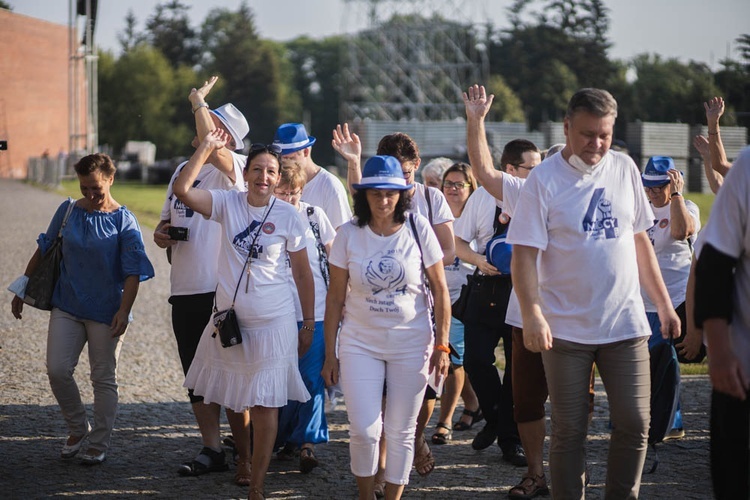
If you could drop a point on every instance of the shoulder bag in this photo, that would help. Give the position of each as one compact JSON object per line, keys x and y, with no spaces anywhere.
{"x":43,"y":280}
{"x":484,"y":299}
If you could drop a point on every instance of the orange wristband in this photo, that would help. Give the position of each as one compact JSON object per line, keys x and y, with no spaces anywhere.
{"x":444,"y":348}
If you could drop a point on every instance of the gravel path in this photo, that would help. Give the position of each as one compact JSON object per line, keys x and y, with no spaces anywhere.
{"x":155,"y":430}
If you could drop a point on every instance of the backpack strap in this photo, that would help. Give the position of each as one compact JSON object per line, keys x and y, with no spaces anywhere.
{"x":322,"y":253}
{"x":428,"y":199}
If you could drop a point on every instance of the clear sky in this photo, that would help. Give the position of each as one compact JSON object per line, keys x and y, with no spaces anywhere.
{"x":700,"y":30}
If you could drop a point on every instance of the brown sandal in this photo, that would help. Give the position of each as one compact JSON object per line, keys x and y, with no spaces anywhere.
{"x":423,"y":460}
{"x":307,"y":460}
{"x":242,"y":475}
{"x":529,"y":487}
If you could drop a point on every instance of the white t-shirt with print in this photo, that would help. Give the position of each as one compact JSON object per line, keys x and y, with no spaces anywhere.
{"x":326,"y":191}
{"x":476,"y":223}
{"x":585,"y":226}
{"x":455,"y":273}
{"x":263,"y":294}
{"x":674,"y":257}
{"x":386,"y":306}
{"x":327,"y":233}
{"x":511,"y":191}
{"x":440,"y":210}
{"x":728,"y":231}
{"x":195,"y":261}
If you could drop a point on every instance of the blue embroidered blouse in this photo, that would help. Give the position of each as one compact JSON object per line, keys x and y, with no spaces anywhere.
{"x":100,"y":249}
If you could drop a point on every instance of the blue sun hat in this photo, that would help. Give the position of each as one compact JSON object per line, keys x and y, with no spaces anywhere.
{"x":655,"y":173}
{"x":291,"y":137}
{"x":382,"y":172}
{"x":499,"y":252}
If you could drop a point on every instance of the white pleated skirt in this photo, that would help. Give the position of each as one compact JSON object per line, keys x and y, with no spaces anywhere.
{"x":261,"y":371}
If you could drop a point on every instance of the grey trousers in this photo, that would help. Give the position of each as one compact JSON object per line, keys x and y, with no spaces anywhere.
{"x":66,"y":338}
{"x":625,"y":372}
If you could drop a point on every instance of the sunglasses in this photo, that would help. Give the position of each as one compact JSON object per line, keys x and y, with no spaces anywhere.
{"x":523,"y":167}
{"x":258,"y":148}
{"x":656,"y":189}
{"x":456,"y":185}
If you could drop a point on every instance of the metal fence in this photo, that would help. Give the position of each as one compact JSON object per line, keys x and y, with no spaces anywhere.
{"x":47,"y":171}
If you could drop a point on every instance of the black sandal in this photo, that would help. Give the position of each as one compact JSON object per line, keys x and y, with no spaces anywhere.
{"x":442,"y":437}
{"x":207,"y":461}
{"x":476,"y":416}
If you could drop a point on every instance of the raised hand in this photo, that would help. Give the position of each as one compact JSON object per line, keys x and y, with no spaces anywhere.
{"x":477,"y":102}
{"x":676,"y":181}
{"x":700,"y":143}
{"x":197,"y":96}
{"x":216,"y":139}
{"x":714,"y":109}
{"x":347,"y":144}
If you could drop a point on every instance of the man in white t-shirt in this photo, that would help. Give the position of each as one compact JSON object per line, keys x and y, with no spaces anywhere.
{"x":195,"y":259}
{"x":722,"y":295}
{"x":322,"y":189}
{"x":586,"y":211}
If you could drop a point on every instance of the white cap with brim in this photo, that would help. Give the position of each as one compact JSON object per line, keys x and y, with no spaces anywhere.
{"x":235,"y":123}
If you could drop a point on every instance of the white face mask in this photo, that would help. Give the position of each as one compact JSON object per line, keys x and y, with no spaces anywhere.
{"x":577,"y":163}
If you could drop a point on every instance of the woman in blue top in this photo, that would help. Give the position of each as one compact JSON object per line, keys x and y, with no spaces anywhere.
{"x":103,"y":263}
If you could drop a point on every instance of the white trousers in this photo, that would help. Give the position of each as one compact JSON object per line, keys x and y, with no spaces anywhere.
{"x":363,"y":375}
{"x":65,"y":340}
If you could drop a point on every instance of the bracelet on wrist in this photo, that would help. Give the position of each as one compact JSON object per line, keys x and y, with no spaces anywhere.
{"x":443,"y":348}
{"x":675,"y":194}
{"x":713,"y":133}
{"x":308,"y":328}
{"x":199,"y":106}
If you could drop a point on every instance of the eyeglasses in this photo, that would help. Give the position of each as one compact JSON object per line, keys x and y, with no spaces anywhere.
{"x":656,"y":189}
{"x":258,"y":148}
{"x":523,"y":167}
{"x":279,"y":192}
{"x":455,"y":185}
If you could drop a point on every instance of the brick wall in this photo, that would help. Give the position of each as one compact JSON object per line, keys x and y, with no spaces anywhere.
{"x":33,"y":90}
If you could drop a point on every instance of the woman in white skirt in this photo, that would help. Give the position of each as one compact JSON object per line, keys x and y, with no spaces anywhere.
{"x":260,"y":373}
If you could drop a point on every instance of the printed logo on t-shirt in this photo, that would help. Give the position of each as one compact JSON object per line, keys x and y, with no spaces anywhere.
{"x":180,"y":208}
{"x":385,"y":274}
{"x":598,"y":222}
{"x":244,"y":239}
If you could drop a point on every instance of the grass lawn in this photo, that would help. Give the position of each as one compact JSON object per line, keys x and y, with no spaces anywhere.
{"x":704,"y":201}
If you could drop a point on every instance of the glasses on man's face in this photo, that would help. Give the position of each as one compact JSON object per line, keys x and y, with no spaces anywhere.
{"x":279,"y":192}
{"x":656,"y":189}
{"x":524,"y":167}
{"x":455,"y":185}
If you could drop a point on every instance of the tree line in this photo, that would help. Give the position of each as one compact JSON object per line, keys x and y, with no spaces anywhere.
{"x":551,"y":49}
